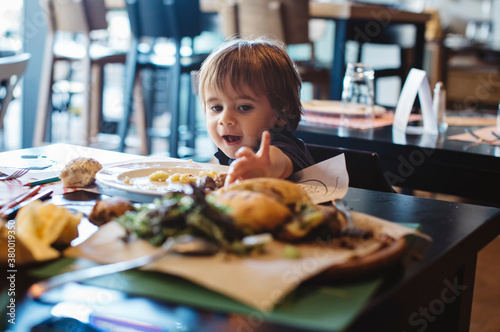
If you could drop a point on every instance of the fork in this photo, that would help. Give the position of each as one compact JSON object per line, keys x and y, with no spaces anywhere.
{"x":467,"y":130}
{"x":17,"y":174}
{"x":350,"y":229}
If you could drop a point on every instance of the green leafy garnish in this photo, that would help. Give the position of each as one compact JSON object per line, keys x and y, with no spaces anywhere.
{"x":291,"y":252}
{"x":181,"y":213}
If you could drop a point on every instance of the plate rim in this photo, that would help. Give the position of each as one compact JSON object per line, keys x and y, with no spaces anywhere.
{"x":332,"y":108}
{"x":109,"y":177}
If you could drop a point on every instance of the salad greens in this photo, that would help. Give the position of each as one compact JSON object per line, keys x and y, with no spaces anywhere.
{"x":179,"y":213}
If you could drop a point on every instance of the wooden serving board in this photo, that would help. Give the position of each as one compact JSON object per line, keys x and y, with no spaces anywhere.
{"x":367,"y":265}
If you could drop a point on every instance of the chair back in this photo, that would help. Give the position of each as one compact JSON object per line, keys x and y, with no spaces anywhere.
{"x":12,"y":69}
{"x":77,"y":15}
{"x":286,"y":20}
{"x":164,"y":18}
{"x":363,"y":167}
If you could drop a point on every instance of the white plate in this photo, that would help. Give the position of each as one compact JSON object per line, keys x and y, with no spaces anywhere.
{"x":134,"y":177}
{"x":334,"y":108}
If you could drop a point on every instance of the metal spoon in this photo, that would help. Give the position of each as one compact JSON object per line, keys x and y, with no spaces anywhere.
{"x":186,"y":244}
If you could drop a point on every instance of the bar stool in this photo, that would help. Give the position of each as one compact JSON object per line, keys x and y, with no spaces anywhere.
{"x":153,"y":21}
{"x":82,"y":20}
{"x":12,"y":69}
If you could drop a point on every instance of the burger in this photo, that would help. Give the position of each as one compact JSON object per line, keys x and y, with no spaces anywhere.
{"x":280,"y":207}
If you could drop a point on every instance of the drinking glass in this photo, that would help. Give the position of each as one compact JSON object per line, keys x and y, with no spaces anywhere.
{"x":358,"y":95}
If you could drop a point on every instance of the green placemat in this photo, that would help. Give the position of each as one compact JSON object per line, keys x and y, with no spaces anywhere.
{"x":328,"y":308}
{"x":318,"y":307}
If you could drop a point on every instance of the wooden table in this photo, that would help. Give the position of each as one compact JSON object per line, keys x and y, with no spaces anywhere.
{"x":434,"y":292}
{"x":430,"y":163}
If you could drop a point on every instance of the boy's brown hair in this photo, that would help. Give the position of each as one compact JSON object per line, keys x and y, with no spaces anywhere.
{"x":261,"y":64}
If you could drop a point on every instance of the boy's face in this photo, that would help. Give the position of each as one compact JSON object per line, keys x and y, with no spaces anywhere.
{"x":237,"y":118}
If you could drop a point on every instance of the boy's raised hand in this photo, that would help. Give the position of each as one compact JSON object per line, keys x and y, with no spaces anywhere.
{"x":249,"y":164}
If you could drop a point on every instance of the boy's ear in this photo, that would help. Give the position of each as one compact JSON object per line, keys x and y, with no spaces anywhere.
{"x":282,"y":118}
{"x":281,"y":122}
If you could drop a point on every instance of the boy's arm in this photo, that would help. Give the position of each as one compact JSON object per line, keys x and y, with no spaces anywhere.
{"x":269,"y":161}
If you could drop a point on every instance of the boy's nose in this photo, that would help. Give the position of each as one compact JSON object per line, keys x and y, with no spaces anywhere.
{"x":227,"y":119}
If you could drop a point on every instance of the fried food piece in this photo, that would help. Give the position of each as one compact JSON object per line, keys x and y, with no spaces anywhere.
{"x":39,"y":228}
{"x":283,"y":191}
{"x":280,"y":207}
{"x":220,"y":180}
{"x":254,"y":211}
{"x":109,"y":209}
{"x":312,"y":221}
{"x":80,"y":172}
{"x":206,"y":183}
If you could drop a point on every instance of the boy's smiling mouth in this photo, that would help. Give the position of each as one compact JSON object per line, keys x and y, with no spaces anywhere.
{"x":231,"y":139}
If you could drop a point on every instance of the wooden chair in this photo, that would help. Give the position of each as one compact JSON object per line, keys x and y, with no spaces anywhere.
{"x":363,"y":167}
{"x":154,"y":20}
{"x":285,"y":20}
{"x":82,"y":19}
{"x":12,"y":69}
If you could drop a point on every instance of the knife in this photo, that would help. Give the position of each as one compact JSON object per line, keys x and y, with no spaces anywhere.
{"x":12,"y":211}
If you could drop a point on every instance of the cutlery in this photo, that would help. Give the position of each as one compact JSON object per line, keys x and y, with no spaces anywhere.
{"x":495,"y":134}
{"x":479,"y":137}
{"x":19,"y":199}
{"x":11,"y":212}
{"x":185,"y":244}
{"x":43,"y":181}
{"x":350,"y":230}
{"x":15,"y":175}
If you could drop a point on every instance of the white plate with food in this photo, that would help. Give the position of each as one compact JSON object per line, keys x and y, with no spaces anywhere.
{"x":158,"y":178}
{"x":334,"y":108}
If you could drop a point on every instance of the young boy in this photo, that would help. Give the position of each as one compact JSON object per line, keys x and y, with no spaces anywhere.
{"x":250,"y":92}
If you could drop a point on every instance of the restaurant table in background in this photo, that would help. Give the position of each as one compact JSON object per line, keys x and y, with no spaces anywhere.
{"x":370,"y":20}
{"x":423,"y":162}
{"x":433,"y":292}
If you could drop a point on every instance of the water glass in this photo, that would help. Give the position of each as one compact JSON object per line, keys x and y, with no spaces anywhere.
{"x":358,"y":95}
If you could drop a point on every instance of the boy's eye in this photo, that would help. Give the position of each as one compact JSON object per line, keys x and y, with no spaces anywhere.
{"x":216,"y":108}
{"x":245,"y":108}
